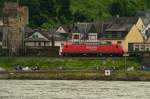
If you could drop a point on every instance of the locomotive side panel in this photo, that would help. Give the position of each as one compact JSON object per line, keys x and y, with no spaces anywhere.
{"x":86,"y":49}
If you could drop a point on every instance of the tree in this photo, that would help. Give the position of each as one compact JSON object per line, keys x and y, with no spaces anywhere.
{"x":119,"y":7}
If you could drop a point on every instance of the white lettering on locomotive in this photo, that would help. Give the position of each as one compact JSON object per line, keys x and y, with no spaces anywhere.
{"x":93,"y":48}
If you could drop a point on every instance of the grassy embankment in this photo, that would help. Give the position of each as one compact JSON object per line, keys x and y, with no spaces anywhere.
{"x":73,"y":68}
{"x":48,"y":63}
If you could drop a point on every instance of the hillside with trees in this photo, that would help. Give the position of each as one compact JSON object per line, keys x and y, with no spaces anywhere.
{"x":51,"y":13}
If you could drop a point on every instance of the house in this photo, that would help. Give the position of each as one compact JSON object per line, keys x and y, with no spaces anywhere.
{"x":37,"y":38}
{"x":63,"y":29}
{"x":94,"y":32}
{"x":102,"y":25}
{"x":146,"y":31}
{"x":62,"y":34}
{"x":145,"y":16}
{"x":39,"y":42}
{"x":131,"y":20}
{"x":42,"y":38}
{"x":148,"y":39}
{"x":123,"y":34}
{"x":85,"y":33}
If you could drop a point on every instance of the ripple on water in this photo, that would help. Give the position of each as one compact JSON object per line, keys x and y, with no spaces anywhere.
{"x":13,"y":89}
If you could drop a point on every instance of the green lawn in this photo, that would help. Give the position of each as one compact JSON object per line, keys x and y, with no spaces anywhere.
{"x":67,"y":63}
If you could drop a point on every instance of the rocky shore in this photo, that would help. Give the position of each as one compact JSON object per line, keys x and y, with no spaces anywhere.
{"x":77,"y":75}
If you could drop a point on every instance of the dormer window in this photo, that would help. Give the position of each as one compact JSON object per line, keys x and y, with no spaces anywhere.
{"x":35,"y":36}
{"x":76,"y":36}
{"x":93,"y":36}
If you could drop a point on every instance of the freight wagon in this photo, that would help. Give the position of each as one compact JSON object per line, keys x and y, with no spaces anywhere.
{"x":136,"y":49}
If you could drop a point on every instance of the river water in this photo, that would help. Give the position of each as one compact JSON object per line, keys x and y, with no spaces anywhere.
{"x":49,"y":89}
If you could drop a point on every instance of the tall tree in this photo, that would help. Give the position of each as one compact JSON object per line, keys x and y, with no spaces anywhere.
{"x":119,"y":7}
{"x":36,"y":18}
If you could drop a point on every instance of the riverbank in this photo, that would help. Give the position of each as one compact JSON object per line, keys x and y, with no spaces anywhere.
{"x":68,"y":63}
{"x":72,"y":68}
{"x":77,"y":75}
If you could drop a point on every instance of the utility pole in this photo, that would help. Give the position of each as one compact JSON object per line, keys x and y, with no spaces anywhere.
{"x":52,"y":38}
{"x":125,"y":60}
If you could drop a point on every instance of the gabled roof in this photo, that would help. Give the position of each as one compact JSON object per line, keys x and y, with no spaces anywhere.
{"x":145,"y":16}
{"x":146,"y":20}
{"x":126,"y":20}
{"x":143,"y":13}
{"x":28,"y":31}
{"x":84,"y":28}
{"x":101,"y":25}
{"x":92,"y":29}
{"x":47,"y":34}
{"x":66,"y":28}
{"x":37,"y":39}
{"x":75,"y":29}
{"x":120,"y":28}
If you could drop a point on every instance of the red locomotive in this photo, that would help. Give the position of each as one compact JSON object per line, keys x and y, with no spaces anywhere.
{"x":72,"y":49}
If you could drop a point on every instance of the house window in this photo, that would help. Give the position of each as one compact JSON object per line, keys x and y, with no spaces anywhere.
{"x":119,"y":42}
{"x":34,"y":43}
{"x":109,"y":35}
{"x":109,"y":42}
{"x":39,"y":43}
{"x":35,"y":36}
{"x":4,"y":43}
{"x":146,"y":32}
{"x":114,"y":35}
{"x":76,"y":36}
{"x":118,"y":35}
{"x":93,"y":37}
{"x":44,"y":43}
